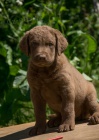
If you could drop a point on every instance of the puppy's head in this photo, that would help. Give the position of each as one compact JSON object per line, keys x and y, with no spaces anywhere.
{"x":43,"y":44}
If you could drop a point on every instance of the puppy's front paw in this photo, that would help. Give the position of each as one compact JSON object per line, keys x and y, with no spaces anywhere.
{"x":94,"y":119}
{"x":66,"y":127}
{"x":37,"y":130}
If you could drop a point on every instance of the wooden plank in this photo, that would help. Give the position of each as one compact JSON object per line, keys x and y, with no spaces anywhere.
{"x":20,"y":132}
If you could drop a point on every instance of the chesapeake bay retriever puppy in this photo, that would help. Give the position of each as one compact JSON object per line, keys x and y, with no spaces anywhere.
{"x":53,"y":80}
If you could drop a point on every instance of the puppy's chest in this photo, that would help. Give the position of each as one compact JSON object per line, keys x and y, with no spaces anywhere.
{"x":50,"y":91}
{"x":49,"y":85}
{"x":46,"y":78}
{"x":48,"y":82}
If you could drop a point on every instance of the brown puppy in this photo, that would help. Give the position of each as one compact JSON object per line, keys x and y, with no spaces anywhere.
{"x":53,"y":80}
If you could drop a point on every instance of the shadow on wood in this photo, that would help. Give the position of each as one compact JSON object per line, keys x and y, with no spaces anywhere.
{"x":82,"y":131}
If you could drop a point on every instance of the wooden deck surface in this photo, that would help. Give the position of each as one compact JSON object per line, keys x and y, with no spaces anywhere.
{"x":82,"y":131}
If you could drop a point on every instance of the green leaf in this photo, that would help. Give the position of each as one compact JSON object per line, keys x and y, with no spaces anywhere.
{"x":6,"y":51}
{"x":24,"y":87}
{"x":92,"y":45}
{"x":75,"y":61}
{"x":86,"y":77}
{"x":29,"y":3}
{"x":24,"y":84}
{"x":23,"y":72}
{"x":18,"y":80}
{"x":14,"y":69}
{"x":78,"y":32}
{"x":98,"y":100}
{"x":63,"y":8}
{"x":9,"y":56}
{"x":3,"y":51}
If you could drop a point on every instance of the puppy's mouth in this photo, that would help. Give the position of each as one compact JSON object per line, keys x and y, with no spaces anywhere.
{"x":41,"y":61}
{"x":42,"y":64}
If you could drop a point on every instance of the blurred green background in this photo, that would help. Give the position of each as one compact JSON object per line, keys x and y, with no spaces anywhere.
{"x":78,"y":20}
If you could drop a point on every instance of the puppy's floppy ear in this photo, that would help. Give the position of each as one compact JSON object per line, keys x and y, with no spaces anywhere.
{"x":24,"y":44}
{"x":61,"y":42}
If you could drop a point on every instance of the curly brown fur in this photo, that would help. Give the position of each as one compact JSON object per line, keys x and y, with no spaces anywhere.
{"x":53,"y":80}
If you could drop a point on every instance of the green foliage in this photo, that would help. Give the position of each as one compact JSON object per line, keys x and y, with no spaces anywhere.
{"x":77,"y":20}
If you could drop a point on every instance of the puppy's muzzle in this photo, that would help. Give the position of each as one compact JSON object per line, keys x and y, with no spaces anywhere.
{"x":40,"y":58}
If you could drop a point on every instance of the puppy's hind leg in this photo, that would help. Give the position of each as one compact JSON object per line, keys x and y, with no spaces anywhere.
{"x":93,"y":105}
{"x":54,"y":121}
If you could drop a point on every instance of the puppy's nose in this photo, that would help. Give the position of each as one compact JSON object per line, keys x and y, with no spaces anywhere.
{"x":41,"y":57}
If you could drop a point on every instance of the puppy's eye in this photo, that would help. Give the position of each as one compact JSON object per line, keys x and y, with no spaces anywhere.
{"x":50,"y":44}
